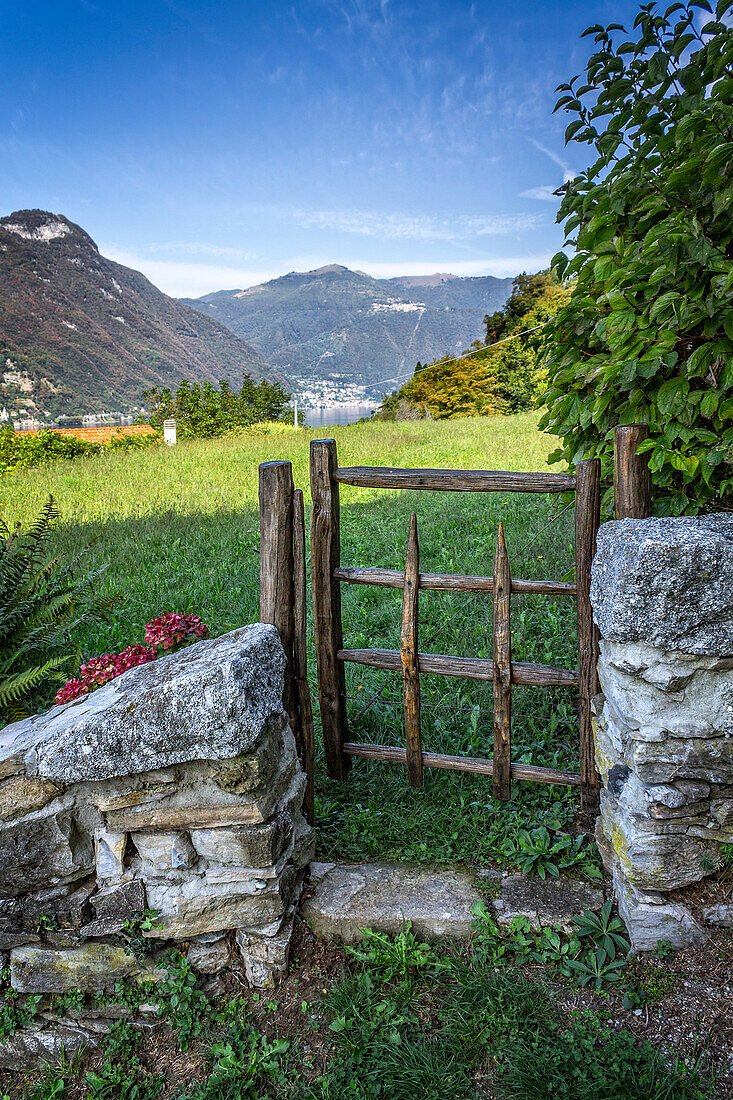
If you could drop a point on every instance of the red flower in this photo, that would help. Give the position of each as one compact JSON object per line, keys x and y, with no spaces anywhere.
{"x":171,"y":630}
{"x":164,"y":633}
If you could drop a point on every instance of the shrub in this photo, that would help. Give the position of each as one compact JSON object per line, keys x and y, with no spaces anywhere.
{"x":132,"y":441}
{"x":647,"y":334}
{"x":42,"y":606}
{"x":203,"y":411}
{"x":168,"y":632}
{"x":39,"y":448}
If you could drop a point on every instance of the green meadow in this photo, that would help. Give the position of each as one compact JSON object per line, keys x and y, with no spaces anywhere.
{"x":178,"y":528}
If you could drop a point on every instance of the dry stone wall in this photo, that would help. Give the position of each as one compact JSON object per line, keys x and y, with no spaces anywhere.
{"x":662,"y":595}
{"x":175,"y":788}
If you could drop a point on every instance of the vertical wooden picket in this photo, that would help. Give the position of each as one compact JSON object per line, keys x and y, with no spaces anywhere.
{"x":325,"y":556}
{"x":276,"y":568}
{"x":502,"y":671}
{"x":587,"y":519}
{"x":631,"y":477}
{"x":300,"y":658}
{"x":409,"y":656}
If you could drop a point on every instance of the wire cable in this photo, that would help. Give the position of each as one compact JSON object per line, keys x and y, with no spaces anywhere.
{"x":465,"y":354}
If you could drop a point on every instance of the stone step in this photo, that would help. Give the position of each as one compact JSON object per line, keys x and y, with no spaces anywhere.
{"x":350,"y":897}
{"x":347,"y":898}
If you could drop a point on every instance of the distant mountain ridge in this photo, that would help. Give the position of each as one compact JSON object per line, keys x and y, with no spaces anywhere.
{"x":80,"y":333}
{"x":333,"y":327}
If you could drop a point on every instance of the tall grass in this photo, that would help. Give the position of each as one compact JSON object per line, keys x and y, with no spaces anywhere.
{"x":179,"y":527}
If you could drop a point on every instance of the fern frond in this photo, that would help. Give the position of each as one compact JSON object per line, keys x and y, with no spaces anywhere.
{"x":43,"y":603}
{"x":12,"y":688}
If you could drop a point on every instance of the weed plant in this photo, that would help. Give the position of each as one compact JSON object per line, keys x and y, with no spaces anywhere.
{"x":495,"y":1029}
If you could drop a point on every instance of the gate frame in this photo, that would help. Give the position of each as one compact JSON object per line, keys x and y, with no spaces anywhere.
{"x":631,"y":487}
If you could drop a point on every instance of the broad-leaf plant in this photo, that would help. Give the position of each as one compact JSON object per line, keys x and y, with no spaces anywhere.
{"x":647,"y":335}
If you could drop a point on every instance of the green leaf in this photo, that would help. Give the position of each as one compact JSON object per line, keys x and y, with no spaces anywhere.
{"x":700,"y":360}
{"x":709,"y":403}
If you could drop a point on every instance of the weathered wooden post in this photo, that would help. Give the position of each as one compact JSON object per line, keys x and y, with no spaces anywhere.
{"x":631,"y":478}
{"x":502,"y":672}
{"x":587,"y":520}
{"x":409,"y":658}
{"x":277,"y":593}
{"x":300,"y":658}
{"x":325,"y":558}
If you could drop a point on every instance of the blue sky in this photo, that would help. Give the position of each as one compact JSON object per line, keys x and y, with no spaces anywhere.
{"x":215,"y":144}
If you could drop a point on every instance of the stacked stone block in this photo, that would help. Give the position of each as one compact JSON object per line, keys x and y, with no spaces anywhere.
{"x":662,"y":597}
{"x":175,"y":788}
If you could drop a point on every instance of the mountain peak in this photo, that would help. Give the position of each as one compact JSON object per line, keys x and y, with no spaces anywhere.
{"x":337,"y":331}
{"x":42,"y":225}
{"x":330,"y":269}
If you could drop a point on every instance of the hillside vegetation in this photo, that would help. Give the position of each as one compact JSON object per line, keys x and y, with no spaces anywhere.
{"x":80,"y":333}
{"x":500,"y":374}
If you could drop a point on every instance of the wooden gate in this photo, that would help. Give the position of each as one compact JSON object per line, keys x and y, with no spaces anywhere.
{"x":631,"y":482}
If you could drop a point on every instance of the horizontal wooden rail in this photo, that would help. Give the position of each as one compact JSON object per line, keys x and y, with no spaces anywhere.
{"x":463,"y":764}
{"x":469,"y":668}
{"x":453,"y":481}
{"x":448,"y":582}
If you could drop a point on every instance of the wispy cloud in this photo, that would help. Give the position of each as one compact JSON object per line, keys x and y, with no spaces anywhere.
{"x":406,"y":227}
{"x":546,"y":191}
{"x":197,"y":248}
{"x":568,"y":173}
{"x":192,"y":280}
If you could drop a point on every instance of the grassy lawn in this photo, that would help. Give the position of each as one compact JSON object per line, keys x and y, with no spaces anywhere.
{"x":179,"y":529}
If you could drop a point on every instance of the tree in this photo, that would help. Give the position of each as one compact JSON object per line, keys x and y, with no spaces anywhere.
{"x":527,"y":291}
{"x":205,"y":411}
{"x":647,"y":334}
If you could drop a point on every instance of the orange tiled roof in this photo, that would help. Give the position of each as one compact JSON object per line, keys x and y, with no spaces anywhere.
{"x":98,"y":435}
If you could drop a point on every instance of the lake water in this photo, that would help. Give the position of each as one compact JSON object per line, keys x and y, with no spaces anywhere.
{"x":326,"y":415}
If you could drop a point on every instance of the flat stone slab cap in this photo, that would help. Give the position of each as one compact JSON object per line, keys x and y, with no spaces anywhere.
{"x":667,"y":582}
{"x":380,"y":896}
{"x":210,"y":701}
{"x":554,"y":901}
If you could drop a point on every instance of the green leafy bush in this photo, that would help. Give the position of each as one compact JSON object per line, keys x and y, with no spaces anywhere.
{"x":647,"y":335}
{"x":203,"y":411}
{"x":42,"y":606}
{"x":39,"y":448}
